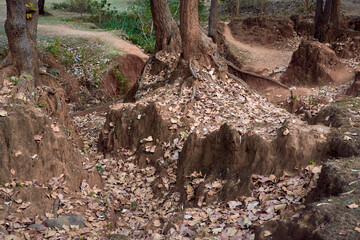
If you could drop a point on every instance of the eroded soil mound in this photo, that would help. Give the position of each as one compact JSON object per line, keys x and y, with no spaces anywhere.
{"x":332,"y":208}
{"x":354,"y":89}
{"x":303,"y":25}
{"x":122,"y":76}
{"x":227,"y":152}
{"x":210,"y":127}
{"x":36,"y":152}
{"x":262,"y":30}
{"x":343,"y":116}
{"x":68,"y":83}
{"x":315,"y":64}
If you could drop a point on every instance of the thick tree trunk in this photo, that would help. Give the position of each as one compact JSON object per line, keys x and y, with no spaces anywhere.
{"x":213,"y":20}
{"x":327,"y":18}
{"x":41,"y":4}
{"x":195,"y":43}
{"x":21,"y":31}
{"x":166,"y":30}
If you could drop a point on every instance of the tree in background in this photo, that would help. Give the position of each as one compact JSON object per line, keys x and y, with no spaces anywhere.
{"x":166,"y":30}
{"x":327,"y":18}
{"x":41,"y":4}
{"x":21,"y":31}
{"x":213,"y":20}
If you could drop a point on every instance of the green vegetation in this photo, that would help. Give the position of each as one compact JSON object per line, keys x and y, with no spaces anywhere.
{"x":121,"y":79}
{"x":136,"y":22}
{"x":79,"y":6}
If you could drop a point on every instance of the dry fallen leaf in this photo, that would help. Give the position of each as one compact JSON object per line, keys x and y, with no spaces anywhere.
{"x":353,"y":206}
{"x":3,"y":113}
{"x":357,"y":229}
{"x":286,"y":132}
{"x":38,"y":137}
{"x":157,"y":223}
{"x":56,"y":129}
{"x":18,"y":153}
{"x":12,"y":171}
{"x":267,"y":233}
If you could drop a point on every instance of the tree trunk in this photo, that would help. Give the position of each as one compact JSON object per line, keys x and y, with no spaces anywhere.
{"x":195,"y":44}
{"x":21,"y":31}
{"x":213,"y":20}
{"x":327,"y":18}
{"x":41,"y":4}
{"x":335,"y":17}
{"x":237,"y":8}
{"x":319,"y":25}
{"x":166,"y":29}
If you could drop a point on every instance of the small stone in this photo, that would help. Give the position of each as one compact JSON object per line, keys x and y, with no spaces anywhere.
{"x":65,"y":220}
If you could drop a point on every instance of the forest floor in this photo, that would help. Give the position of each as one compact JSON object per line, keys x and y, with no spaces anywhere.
{"x":142,"y":202}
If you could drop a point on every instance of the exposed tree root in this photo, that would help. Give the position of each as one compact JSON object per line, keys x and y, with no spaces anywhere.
{"x":6,"y":62}
{"x":242,"y":82}
{"x":143,"y":72}
{"x":50,"y":75}
{"x":192,"y":70}
{"x":257,"y":75}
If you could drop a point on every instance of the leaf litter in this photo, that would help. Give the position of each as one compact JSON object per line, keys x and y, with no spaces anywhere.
{"x":127,"y":204}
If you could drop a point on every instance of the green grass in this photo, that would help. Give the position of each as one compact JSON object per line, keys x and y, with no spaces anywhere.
{"x":120,"y":5}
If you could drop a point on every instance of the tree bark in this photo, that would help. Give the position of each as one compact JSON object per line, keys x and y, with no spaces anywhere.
{"x":166,"y":30}
{"x":213,"y":20}
{"x":195,"y":44}
{"x":41,"y":4}
{"x":319,"y":25}
{"x":21,"y":31}
{"x":326,"y":18}
{"x":237,"y":8}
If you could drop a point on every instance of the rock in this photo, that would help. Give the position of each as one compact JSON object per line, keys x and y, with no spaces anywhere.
{"x":76,"y":220}
{"x":38,"y":227}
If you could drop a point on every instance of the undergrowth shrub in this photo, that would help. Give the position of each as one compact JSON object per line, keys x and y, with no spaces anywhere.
{"x":79,"y":6}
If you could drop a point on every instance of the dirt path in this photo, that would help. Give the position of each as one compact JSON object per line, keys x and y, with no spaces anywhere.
{"x":261,"y":59}
{"x":107,"y":37}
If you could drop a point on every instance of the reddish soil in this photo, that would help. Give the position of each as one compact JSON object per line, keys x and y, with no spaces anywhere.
{"x":315,"y":64}
{"x":129,"y":66}
{"x":107,"y":37}
{"x":262,"y":30}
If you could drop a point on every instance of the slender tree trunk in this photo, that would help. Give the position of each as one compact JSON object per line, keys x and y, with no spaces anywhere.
{"x":237,"y":8}
{"x":319,"y":25}
{"x":213,"y":20}
{"x":166,"y":30}
{"x":21,"y":31}
{"x":41,"y":4}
